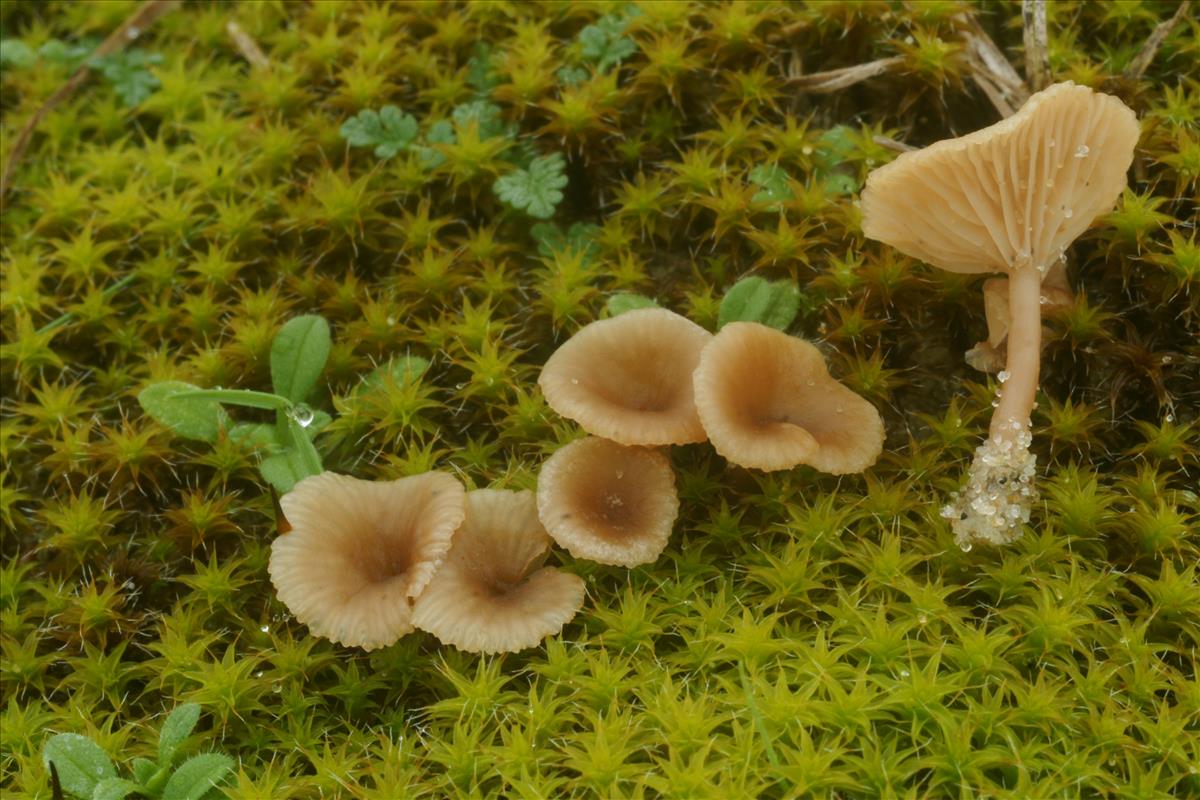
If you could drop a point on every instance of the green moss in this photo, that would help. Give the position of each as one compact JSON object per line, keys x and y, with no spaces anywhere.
{"x":803,"y":635}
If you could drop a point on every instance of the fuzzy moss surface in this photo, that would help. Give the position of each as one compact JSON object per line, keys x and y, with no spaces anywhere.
{"x":803,"y":635}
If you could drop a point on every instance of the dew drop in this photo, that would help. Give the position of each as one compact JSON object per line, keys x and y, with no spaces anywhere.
{"x":265,"y":629}
{"x":1169,"y":418}
{"x":965,"y":546}
{"x":811,"y":383}
{"x":904,"y":673}
{"x":1166,"y":359}
{"x":276,"y":688}
{"x":258,"y":674}
{"x":806,"y":150}
{"x":1049,"y":183}
{"x":1068,"y":213}
{"x":391,"y":320}
{"x":1002,"y":375}
{"x":1043,"y":299}
{"x":574,"y":381}
{"x":921,"y":620}
{"x":301,"y":414}
{"x":1082,"y":151}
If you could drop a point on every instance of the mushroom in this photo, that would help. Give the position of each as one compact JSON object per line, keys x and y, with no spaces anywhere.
{"x":359,"y":551}
{"x":988,"y":355}
{"x":629,"y":378}
{"x":1009,"y":198}
{"x":767,"y":401}
{"x":607,"y":502}
{"x":492,"y":595}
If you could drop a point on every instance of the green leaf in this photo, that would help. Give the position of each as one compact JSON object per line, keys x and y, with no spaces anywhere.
{"x":196,"y":776}
{"x":190,"y":417}
{"x":628,"y":301}
{"x":571,"y":76}
{"x":388,"y":130}
{"x":535,"y":190}
{"x":580,"y":237}
{"x":177,"y":727}
{"x":298,"y":355}
{"x":238,"y":397}
{"x":80,"y":762}
{"x":127,"y":72}
{"x":486,"y":115}
{"x":603,"y":44}
{"x":839,"y":184}
{"x":755,"y":300}
{"x":301,"y":451}
{"x":114,"y":789}
{"x":144,"y":769}
{"x":16,"y":54}
{"x":481,"y":75}
{"x":255,"y":434}
{"x":70,"y":55}
{"x":440,"y":132}
{"x":279,"y":471}
{"x":398,"y":369}
{"x":774,"y":182}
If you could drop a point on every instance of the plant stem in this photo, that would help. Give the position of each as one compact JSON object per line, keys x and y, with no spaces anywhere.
{"x":1024,"y":353}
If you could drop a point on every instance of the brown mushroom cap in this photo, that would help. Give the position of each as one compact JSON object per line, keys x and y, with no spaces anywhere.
{"x":607,"y":502}
{"x":768,"y":402}
{"x":1018,"y":192}
{"x":491,"y":595}
{"x":629,"y":378}
{"x":359,"y":550}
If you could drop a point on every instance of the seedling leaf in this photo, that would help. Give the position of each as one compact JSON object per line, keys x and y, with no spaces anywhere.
{"x":143,"y":770}
{"x":603,"y":44}
{"x":196,"y":776}
{"x":114,"y":789}
{"x":80,"y":762}
{"x":535,"y":190}
{"x":298,"y":355}
{"x":756,"y":300}
{"x":279,"y":471}
{"x":628,"y":301}
{"x":388,"y":130}
{"x":175,"y":730}
{"x":774,"y":182}
{"x":190,"y":417}
{"x":127,"y":72}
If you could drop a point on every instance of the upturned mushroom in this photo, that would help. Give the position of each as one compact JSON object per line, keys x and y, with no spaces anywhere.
{"x":767,"y":401}
{"x":492,"y":594}
{"x":629,"y":378}
{"x":607,"y":502}
{"x":359,"y":552}
{"x":1009,"y":198}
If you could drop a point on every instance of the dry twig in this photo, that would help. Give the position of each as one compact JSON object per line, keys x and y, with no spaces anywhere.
{"x":118,"y":40}
{"x":1138,"y":66}
{"x":246,"y":45}
{"x":837,"y":79}
{"x":991,"y":71}
{"x":1037,"y":62}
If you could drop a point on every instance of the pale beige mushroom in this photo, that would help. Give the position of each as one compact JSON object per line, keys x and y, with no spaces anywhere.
{"x":1009,"y":198}
{"x":988,"y":355}
{"x":492,"y":595}
{"x":607,"y":502}
{"x":629,"y":378}
{"x":767,"y":401}
{"x":359,"y":551}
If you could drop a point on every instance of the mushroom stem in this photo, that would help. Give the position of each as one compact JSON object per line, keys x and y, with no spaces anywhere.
{"x":1024,"y":353}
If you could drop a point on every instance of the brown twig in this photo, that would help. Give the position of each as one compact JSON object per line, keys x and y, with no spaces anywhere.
{"x":118,"y":40}
{"x":1138,"y":66}
{"x":991,"y":71}
{"x":246,"y":45}
{"x":837,"y":79}
{"x":1037,"y":62}
{"x":893,"y":144}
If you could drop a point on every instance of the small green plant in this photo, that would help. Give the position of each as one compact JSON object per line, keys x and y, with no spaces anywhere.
{"x":81,"y":768}
{"x":537,"y":189}
{"x":754,"y":299}
{"x":388,"y":130}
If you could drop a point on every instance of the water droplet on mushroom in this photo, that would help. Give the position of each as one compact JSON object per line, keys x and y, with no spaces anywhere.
{"x":1002,"y":375}
{"x":574,"y":381}
{"x":811,"y":383}
{"x":840,"y":409}
{"x":1082,"y":151}
{"x":302,"y":415}
{"x":1068,"y":212}
{"x":1049,"y":183}
{"x":1043,"y":300}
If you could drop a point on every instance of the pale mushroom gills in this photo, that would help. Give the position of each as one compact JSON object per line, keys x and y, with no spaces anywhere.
{"x":359,"y":551}
{"x":1009,"y":198}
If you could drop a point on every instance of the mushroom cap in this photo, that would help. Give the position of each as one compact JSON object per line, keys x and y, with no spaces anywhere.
{"x":607,"y":502}
{"x":629,"y":378}
{"x":359,"y":551}
{"x":1015,"y":193}
{"x":767,"y":401}
{"x":492,"y":595}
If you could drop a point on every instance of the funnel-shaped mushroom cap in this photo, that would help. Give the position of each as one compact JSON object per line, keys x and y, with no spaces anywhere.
{"x":629,"y":378}
{"x":492,"y":595}
{"x":359,"y":550}
{"x":1016,"y":193}
{"x":768,"y":402}
{"x":608,"y":503}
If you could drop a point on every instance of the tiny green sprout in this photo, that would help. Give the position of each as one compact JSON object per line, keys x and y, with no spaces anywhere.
{"x":754,"y":299}
{"x":628,"y":301}
{"x":536,"y":190}
{"x":82,"y":769}
{"x":128,"y":73}
{"x":773,"y":182}
{"x":603,"y":43}
{"x":388,"y":130}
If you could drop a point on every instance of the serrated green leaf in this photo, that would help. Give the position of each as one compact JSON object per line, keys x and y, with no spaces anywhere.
{"x":192,"y":418}
{"x":481,"y":75}
{"x":388,"y":130}
{"x":177,"y":727}
{"x":603,"y":44}
{"x":144,"y":769}
{"x":114,"y":789}
{"x":129,"y":75}
{"x":298,"y":356}
{"x":628,"y":301}
{"x":81,"y":763}
{"x":196,"y":776}
{"x":756,"y":300}
{"x":535,"y":190}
